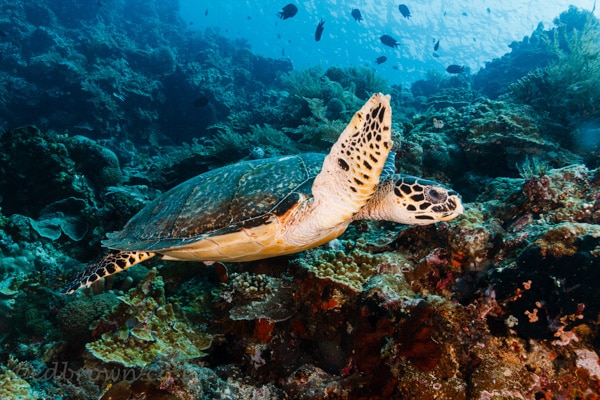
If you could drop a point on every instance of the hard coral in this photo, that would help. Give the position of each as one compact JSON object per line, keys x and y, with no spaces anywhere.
{"x":351,"y":268}
{"x":13,"y":387}
{"x":256,"y":297}
{"x":75,"y":317}
{"x":146,"y":326}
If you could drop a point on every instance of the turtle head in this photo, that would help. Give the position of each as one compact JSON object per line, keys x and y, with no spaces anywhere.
{"x":409,"y":200}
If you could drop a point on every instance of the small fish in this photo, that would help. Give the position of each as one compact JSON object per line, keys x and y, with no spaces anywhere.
{"x":436,"y":46}
{"x":206,"y":12}
{"x":319,"y":31}
{"x":200,"y":101}
{"x":455,"y":69}
{"x":389,"y":41}
{"x":357,"y":15}
{"x":436,"y":55}
{"x":404,"y":10}
{"x":288,"y":11}
{"x":381,"y":60}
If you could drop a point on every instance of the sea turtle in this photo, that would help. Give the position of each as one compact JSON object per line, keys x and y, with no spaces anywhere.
{"x":269,"y":207}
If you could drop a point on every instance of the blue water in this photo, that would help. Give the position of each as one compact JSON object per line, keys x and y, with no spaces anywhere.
{"x":470,"y":33}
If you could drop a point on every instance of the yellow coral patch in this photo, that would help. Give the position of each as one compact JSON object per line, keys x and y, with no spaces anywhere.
{"x":148,"y":327}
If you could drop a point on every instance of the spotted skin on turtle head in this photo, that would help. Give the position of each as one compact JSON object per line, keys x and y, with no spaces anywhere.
{"x":426,"y":201}
{"x":111,"y":264}
{"x":407,"y":199}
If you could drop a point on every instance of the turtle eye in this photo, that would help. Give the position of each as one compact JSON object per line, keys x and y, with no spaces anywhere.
{"x":436,"y":196}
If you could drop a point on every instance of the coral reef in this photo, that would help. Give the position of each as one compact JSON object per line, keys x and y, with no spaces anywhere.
{"x":144,"y":320}
{"x":565,"y":88}
{"x":126,"y":103}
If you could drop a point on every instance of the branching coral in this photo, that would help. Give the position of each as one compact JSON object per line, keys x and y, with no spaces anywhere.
{"x":317,"y":128}
{"x":567,"y":88}
{"x":227,"y":145}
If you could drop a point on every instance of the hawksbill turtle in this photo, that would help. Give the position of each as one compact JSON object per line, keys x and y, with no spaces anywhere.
{"x":275,"y":206}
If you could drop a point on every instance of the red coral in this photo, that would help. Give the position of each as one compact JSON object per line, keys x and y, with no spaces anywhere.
{"x":263,"y":331}
{"x":416,"y":343}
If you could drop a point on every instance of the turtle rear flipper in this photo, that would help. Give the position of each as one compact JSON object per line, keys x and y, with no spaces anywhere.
{"x":109,"y":265}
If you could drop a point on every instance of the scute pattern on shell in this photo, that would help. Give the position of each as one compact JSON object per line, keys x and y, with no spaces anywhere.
{"x":222,"y":200}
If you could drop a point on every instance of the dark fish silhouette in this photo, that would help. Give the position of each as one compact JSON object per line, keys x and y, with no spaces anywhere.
{"x":389,"y":41}
{"x":404,"y":10}
{"x":357,"y":15}
{"x":206,"y":12}
{"x":455,"y":69}
{"x":200,"y":101}
{"x":319,"y":30}
{"x":381,"y":60}
{"x":288,"y":11}
{"x":436,"y":46}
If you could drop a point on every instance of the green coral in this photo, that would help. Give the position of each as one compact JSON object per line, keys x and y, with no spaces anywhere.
{"x":148,"y":326}
{"x":568,"y":88}
{"x":317,"y":128}
{"x":227,"y":144}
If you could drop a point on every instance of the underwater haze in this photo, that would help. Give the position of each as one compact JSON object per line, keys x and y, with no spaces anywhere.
{"x":135,"y":133}
{"x":469,"y":33}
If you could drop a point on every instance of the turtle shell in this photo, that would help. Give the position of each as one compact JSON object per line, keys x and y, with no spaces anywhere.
{"x":221,"y":201}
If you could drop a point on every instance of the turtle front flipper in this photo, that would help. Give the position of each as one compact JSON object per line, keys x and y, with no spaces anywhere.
{"x":109,"y":265}
{"x":352,"y":168}
{"x":349,"y":176}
